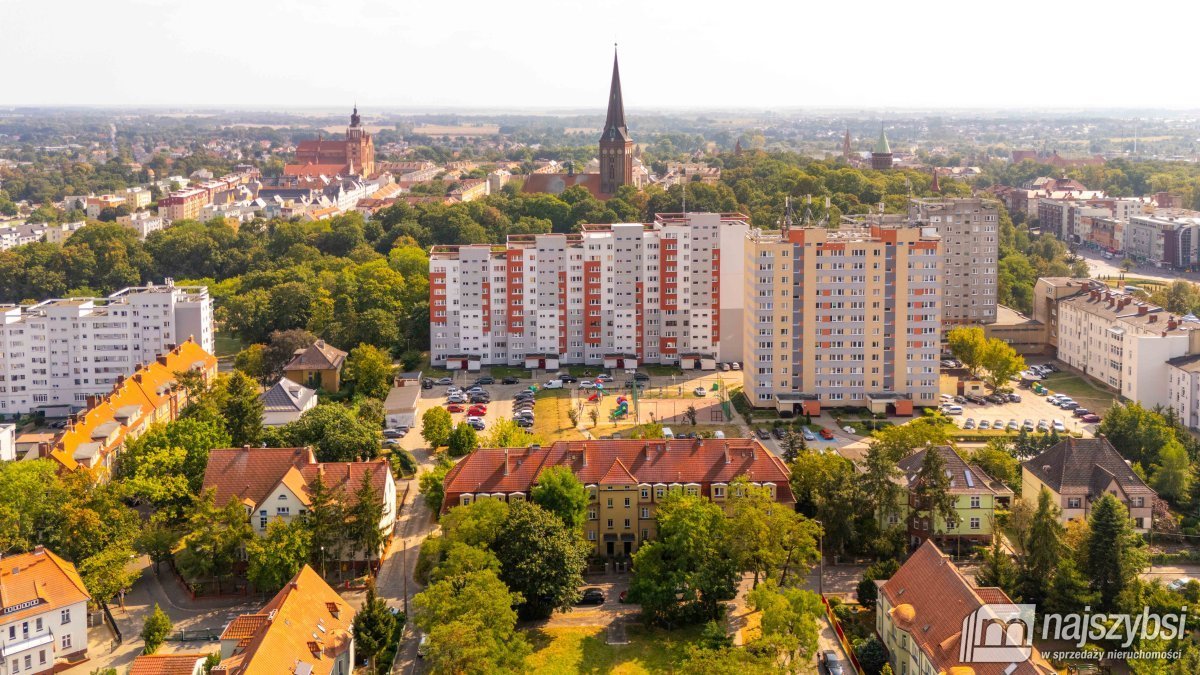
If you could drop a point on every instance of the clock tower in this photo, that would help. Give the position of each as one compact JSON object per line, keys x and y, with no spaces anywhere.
{"x":616,"y":147}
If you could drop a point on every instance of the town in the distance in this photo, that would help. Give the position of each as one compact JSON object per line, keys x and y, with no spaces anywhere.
{"x":614,"y":391}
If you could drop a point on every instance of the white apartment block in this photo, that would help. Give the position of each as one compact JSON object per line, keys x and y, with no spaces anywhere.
{"x":843,"y":317}
{"x":142,"y":222}
{"x":1183,"y":389}
{"x":969,"y":229}
{"x":1123,"y":342}
{"x":57,"y":352}
{"x":614,"y":295}
{"x":8,"y":442}
{"x":1168,"y":238}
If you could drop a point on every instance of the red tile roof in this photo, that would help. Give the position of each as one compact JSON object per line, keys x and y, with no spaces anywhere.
{"x":930,"y":598}
{"x":251,"y":474}
{"x":166,"y":664}
{"x":703,"y":461}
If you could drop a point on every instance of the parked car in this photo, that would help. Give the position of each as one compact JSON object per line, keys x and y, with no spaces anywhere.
{"x":762,"y":434}
{"x":998,"y":424}
{"x":486,"y":379}
{"x":952,"y":409}
{"x":456,"y":398}
{"x":394,"y":433}
{"x":510,"y":380}
{"x":960,"y":399}
{"x":700,"y":392}
{"x":1012,"y":425}
{"x":1090,"y":419}
{"x":833,"y":666}
{"x":1069,"y":405}
{"x":970,"y":423}
{"x":455,"y":407}
{"x":453,"y":390}
{"x":477,"y":410}
{"x":1027,"y":425}
{"x":1058,"y":426}
{"x":591,"y":596}
{"x":826,"y":434}
{"x":641,"y":377}
{"x":524,"y":394}
{"x":976,"y":399}
{"x":480,"y":398}
{"x":423,"y":646}
{"x":984,"y":424}
{"x":1014,"y":398}
{"x":568,"y":379}
{"x":604,"y":377}
{"x":735,"y":366}
{"x":947,"y":363}
{"x":1081,"y":412}
{"x":947,"y":398}
{"x":1043,"y":425}
{"x":808,"y":434}
{"x":553,"y":384}
{"x":476,"y":423}
{"x":442,"y":381}
{"x":997,"y":399}
{"x":779,"y":433}
{"x":523,"y":422}
{"x":427,"y":383}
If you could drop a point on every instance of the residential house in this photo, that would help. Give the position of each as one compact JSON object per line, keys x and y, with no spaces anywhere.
{"x":400,"y":408}
{"x":94,"y":437}
{"x":1078,"y":471}
{"x":285,"y":402}
{"x":920,"y":618}
{"x":306,"y":629}
{"x":168,"y":664}
{"x":319,"y":365}
{"x":44,"y":614}
{"x":625,"y":479}
{"x":276,"y":483}
{"x":977,"y":497}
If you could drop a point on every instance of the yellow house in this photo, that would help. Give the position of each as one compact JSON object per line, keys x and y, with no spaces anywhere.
{"x":317,"y":366}
{"x":1078,"y":471}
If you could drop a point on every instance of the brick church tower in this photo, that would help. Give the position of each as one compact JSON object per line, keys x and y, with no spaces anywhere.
{"x":360,"y":150}
{"x":616,"y":147}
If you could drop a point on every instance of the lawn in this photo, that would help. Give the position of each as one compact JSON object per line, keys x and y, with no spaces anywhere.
{"x":524,"y":374}
{"x":551,"y":420}
{"x":584,"y":650}
{"x":226,"y":345}
{"x":1087,"y":395}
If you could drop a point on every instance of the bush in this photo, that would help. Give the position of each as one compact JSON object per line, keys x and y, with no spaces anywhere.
{"x":155,"y":630}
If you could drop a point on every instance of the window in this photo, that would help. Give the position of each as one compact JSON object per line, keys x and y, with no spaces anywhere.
{"x":282,"y":497}
{"x":42,"y":657}
{"x":66,"y":641}
{"x":645,"y":493}
{"x":718,"y":491}
{"x":627,"y":502}
{"x":627,"y":523}
{"x":610,"y":523}
{"x":28,"y":661}
{"x":591,"y":535}
{"x":66,"y":617}
{"x":1073,"y":503}
{"x":975,"y":502}
{"x":974,"y":523}
{"x":610,"y":502}
{"x":592,"y":515}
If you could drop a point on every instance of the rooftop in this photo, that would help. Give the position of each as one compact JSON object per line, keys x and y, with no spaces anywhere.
{"x":36,"y":582}
{"x":1085,"y":466}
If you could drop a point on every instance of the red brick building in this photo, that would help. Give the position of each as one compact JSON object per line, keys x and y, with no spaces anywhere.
{"x":354,"y":156}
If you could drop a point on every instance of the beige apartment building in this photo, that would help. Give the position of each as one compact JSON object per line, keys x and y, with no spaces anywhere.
{"x":969,"y":229}
{"x":842,"y":317}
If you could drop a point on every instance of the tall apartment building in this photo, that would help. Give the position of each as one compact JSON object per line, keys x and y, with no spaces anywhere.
{"x":845,"y":317}
{"x":615,"y":295}
{"x":969,"y":229}
{"x":183,"y":204}
{"x":54,"y":354}
{"x":1123,"y":342}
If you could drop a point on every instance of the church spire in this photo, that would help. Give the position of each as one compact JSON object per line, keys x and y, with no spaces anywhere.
{"x":614,"y":123}
{"x":355,"y":120}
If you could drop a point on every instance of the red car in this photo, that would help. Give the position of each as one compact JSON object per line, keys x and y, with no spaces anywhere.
{"x":455,"y":407}
{"x":826,"y":434}
{"x":477,"y":411}
{"x":1090,"y":419}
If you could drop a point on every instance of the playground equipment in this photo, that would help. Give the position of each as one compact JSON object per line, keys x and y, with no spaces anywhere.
{"x":594,"y":398}
{"x":622,"y":408}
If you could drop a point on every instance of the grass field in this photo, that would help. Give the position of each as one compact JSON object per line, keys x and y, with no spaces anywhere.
{"x":1089,"y":396}
{"x":226,"y":345}
{"x":563,"y":651}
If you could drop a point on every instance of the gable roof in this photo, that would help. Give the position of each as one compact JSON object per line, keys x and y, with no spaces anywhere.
{"x":41,"y":578}
{"x":1071,"y":468}
{"x":965,"y":478}
{"x":166,"y":664}
{"x":287,"y":396}
{"x":320,"y":356}
{"x":307,"y":626}
{"x":250,"y":475}
{"x":930,"y":598}
{"x":625,"y":461}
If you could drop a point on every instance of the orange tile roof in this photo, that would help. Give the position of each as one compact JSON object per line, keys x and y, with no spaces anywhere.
{"x":166,"y":664}
{"x":251,"y":474}
{"x":703,"y":461}
{"x":937,"y":598}
{"x":244,"y":627}
{"x":147,"y":394}
{"x":40,"y":578}
{"x":307,"y":623}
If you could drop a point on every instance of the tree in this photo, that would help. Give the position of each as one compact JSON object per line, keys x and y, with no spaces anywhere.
{"x":1068,"y":590}
{"x":1112,"y":560}
{"x":155,"y":630}
{"x":278,"y":555}
{"x":560,"y":492}
{"x":463,"y":440}
{"x":157,"y":540}
{"x":594,"y":416}
{"x":252,"y":361}
{"x":997,"y":461}
{"x":1172,"y":475}
{"x":690,"y":569}
{"x":364,"y":515}
{"x":370,"y":412}
{"x":335,"y":432}
{"x":541,"y":559}
{"x":471,"y":624}
{"x":790,"y":619}
{"x":768,"y":538}
{"x":107,"y":573}
{"x":932,"y":502}
{"x":1001,"y":362}
{"x":436,"y":426}
{"x":691,"y":415}
{"x":374,"y":626}
{"x":1042,"y":549}
{"x":1135,"y":432}
{"x":867,"y":591}
{"x":573,"y":416}
{"x":967,"y":343}
{"x":326,"y":521}
{"x":281,"y":348}
{"x":793,"y":445}
{"x":431,"y":485}
{"x":998,"y":570}
{"x":214,"y":538}
{"x":370,"y":370}
{"x":243,"y":410}
{"x":506,"y":434}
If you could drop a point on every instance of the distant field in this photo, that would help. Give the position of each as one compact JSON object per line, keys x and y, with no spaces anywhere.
{"x":459,"y":130}
{"x":1142,"y":139}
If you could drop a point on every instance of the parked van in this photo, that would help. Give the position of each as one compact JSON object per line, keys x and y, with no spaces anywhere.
{"x":952,"y":410}
{"x":554,"y":384}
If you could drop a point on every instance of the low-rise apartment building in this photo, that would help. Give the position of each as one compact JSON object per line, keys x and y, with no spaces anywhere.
{"x":620,"y":295}
{"x":97,"y":205}
{"x":1122,"y":341}
{"x":921,"y":617}
{"x":843,"y":317}
{"x":183,"y":204}
{"x":142,"y":222}
{"x":1047,"y":293}
{"x":1078,"y":471}
{"x":977,"y":497}
{"x":1183,"y":389}
{"x":1168,"y":238}
{"x":1069,"y":218}
{"x":55,"y":354}
{"x":44,"y":622}
{"x":625,"y":479}
{"x":969,"y":229}
{"x":276,"y":483}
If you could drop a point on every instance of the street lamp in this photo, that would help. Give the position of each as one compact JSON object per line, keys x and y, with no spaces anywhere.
{"x":821,"y":564}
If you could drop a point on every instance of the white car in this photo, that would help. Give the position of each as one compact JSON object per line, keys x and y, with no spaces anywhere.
{"x":947,"y":398}
{"x":700,"y":391}
{"x":724,"y":366}
{"x":587,"y":384}
{"x":1058,"y":426}
{"x":553,"y":384}
{"x":952,"y":410}
{"x":735,"y":365}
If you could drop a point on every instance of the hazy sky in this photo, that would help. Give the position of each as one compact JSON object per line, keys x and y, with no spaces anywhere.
{"x":557,"y":53}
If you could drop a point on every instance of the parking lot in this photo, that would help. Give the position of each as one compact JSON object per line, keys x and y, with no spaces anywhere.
{"x":1031,"y":407}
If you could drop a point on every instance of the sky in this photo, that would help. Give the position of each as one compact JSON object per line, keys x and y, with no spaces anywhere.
{"x":556,"y":54}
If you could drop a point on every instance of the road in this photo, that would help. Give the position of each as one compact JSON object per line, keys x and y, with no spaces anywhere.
{"x":1100,"y":267}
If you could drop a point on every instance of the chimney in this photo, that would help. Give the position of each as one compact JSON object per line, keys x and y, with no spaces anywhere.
{"x":1142,"y":309}
{"x":162,"y":359}
{"x":1153,"y":318}
{"x":727,"y":460}
{"x":137,"y":377}
{"x":506,"y":461}
{"x":39,"y":549}
{"x":120,"y":380}
{"x":753,"y":451}
{"x":245,"y":447}
{"x":584,"y":453}
{"x":92,"y":401}
{"x":1172,"y":324}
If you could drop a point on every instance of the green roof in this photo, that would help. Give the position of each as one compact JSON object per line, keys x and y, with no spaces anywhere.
{"x":881,"y":146}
